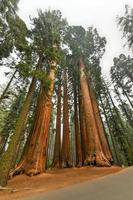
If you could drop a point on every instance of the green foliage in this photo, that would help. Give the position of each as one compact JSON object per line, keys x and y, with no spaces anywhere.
{"x":118,"y":124}
{"x":19,"y":32}
{"x":47,"y":34}
{"x":8,"y":6}
{"x":44,"y":44}
{"x":121,"y":75}
{"x":126,"y":24}
{"x":122,"y":68}
{"x":13,"y":31}
{"x":24,"y":69}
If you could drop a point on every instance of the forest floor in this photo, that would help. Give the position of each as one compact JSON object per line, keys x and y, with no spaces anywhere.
{"x":22,"y":185}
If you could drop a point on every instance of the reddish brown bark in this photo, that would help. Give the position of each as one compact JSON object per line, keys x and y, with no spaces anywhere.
{"x":57,"y":147}
{"x":8,"y":158}
{"x":101,"y":133}
{"x":66,"y":158}
{"x":35,"y":160}
{"x":84,"y":138}
{"x":77,"y":132}
{"x":95,"y":151}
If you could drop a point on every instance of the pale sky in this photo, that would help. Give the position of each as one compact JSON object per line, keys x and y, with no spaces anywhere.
{"x":99,"y":13}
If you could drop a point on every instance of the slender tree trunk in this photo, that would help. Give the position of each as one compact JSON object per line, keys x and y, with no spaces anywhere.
{"x":35,"y":161}
{"x":7,"y":87}
{"x":95,"y":152}
{"x":116,"y":157}
{"x":3,"y":143}
{"x":125,"y":93}
{"x":8,"y":156}
{"x":11,"y":120}
{"x":119,"y":117}
{"x":124,"y":109}
{"x":66,"y":158}
{"x":57,"y":148}
{"x":115,"y":126}
{"x":119,"y":128}
{"x":50,"y":146}
{"x":77,"y":131}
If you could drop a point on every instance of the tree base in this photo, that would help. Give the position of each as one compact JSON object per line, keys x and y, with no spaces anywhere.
{"x":79,"y":164}
{"x":33,"y":172}
{"x":66,"y":164}
{"x":3,"y":181}
{"x":98,"y":160}
{"x":24,"y":169}
{"x":56,"y":165}
{"x":19,"y":170}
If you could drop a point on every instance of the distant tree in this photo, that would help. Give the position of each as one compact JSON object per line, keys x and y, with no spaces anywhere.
{"x":126,"y":24}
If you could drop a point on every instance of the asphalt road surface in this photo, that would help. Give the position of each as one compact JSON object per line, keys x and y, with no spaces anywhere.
{"x":118,"y":186}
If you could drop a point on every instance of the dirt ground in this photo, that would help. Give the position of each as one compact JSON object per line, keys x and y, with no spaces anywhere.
{"x":23,"y":185}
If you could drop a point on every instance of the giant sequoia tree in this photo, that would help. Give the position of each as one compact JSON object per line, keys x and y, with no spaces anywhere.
{"x":50,"y":26}
{"x":89,"y":128}
{"x":88,"y":45}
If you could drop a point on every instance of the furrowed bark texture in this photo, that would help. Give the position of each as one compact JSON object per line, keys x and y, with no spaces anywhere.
{"x":95,"y":155}
{"x":35,"y":160}
{"x":77,"y":132}
{"x":101,"y":133}
{"x":57,"y":148}
{"x":84,"y":136}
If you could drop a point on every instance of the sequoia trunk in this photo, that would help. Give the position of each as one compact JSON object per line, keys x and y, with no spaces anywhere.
{"x":101,"y":133}
{"x":77,"y":131}
{"x":95,"y":152}
{"x":84,"y":136}
{"x":57,"y":147}
{"x":35,"y":161}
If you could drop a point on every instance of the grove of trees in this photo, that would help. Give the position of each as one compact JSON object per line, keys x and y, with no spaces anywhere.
{"x":57,"y":109}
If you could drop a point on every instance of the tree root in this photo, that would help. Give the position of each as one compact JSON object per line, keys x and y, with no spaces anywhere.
{"x":19,"y":170}
{"x":98,"y":160}
{"x":33,"y":172}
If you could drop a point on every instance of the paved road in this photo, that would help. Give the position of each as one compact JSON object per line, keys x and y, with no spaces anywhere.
{"x":112,"y":187}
